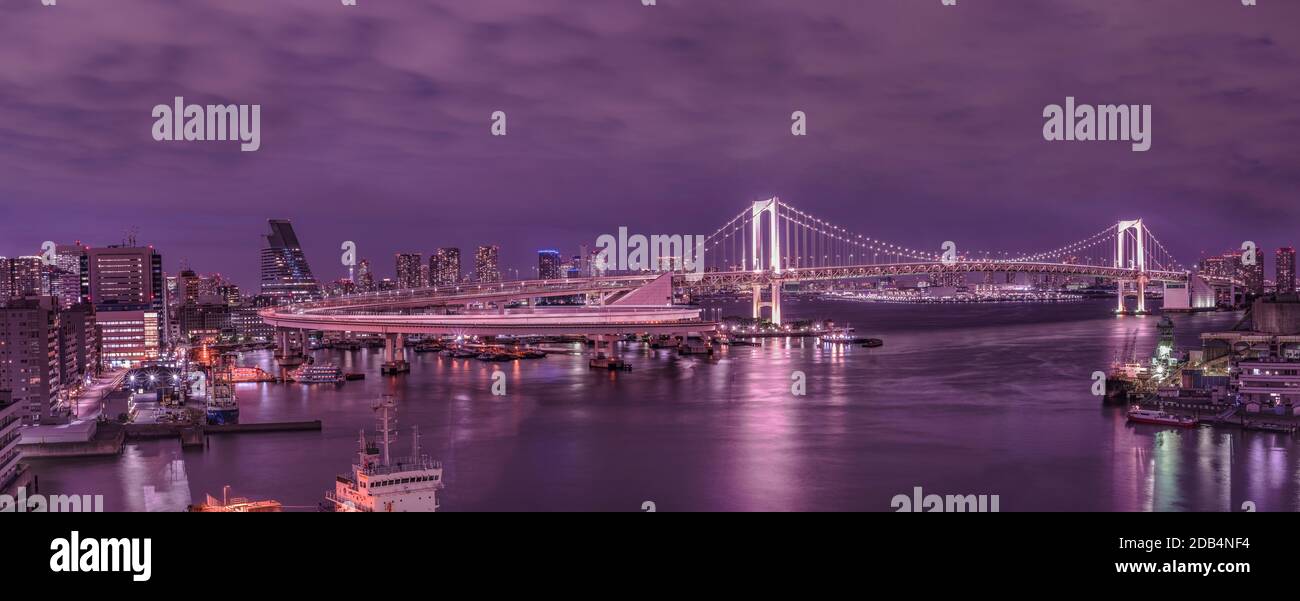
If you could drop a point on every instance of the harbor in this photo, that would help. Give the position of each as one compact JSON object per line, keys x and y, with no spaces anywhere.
{"x":1245,"y":378}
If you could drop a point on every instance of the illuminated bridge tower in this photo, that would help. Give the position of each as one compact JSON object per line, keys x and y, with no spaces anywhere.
{"x":766,"y":257}
{"x":1130,"y":253}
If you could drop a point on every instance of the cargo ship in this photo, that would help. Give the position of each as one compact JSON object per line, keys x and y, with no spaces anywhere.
{"x":380,"y":483}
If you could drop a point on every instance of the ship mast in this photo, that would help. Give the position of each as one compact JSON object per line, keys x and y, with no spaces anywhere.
{"x":386,"y":423}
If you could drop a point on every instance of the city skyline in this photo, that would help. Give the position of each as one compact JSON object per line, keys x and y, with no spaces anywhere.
{"x":651,"y":117}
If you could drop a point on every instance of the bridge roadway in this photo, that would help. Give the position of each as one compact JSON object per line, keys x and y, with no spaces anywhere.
{"x":376,"y":312}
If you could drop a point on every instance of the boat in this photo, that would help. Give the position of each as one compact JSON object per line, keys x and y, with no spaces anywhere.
{"x":379,"y":483}
{"x":222,"y":406}
{"x":243,"y":375}
{"x":873,"y":343}
{"x":496,"y":355}
{"x":428,"y":347}
{"x":326,"y":373}
{"x":741,"y":342}
{"x":226,"y":504}
{"x":531,"y":353}
{"x":601,"y":361}
{"x":464,"y":353}
{"x":694,"y":346}
{"x":1160,"y":418}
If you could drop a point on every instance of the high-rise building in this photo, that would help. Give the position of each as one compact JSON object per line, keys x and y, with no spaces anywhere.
{"x":29,"y":356}
{"x":11,"y":418}
{"x":486,"y":266}
{"x":125,"y":285}
{"x":548,"y":264}
{"x":65,"y":277}
{"x":78,"y":348}
{"x":28,"y":277}
{"x":248,"y":325}
{"x":1285,"y":270}
{"x":286,"y":277}
{"x":365,"y":278}
{"x":190,"y":287}
{"x":1252,"y":276}
{"x":408,"y":270}
{"x":444,"y":267}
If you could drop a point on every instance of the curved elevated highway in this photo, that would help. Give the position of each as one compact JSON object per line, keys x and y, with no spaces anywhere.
{"x":638,"y":304}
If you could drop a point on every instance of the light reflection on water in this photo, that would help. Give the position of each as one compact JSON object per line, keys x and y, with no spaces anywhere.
{"x":974,"y":399}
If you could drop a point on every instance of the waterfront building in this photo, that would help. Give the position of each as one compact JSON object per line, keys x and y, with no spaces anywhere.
{"x":548,"y":264}
{"x":444,"y":267}
{"x":487,"y":268}
{"x":408,"y":270}
{"x":1267,"y":381}
{"x":248,"y":325}
{"x":286,"y":276}
{"x":29,"y":356}
{"x":1286,"y":270}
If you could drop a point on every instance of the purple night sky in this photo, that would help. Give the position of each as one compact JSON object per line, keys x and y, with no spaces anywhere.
{"x":924,"y":122}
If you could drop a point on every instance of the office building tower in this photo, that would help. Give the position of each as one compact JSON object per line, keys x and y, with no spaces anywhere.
{"x":1252,"y":276}
{"x":408,"y":270}
{"x":1285,"y":270}
{"x":487,"y":269}
{"x":125,"y":285}
{"x":548,"y":264}
{"x":286,"y":277}
{"x":444,"y":267}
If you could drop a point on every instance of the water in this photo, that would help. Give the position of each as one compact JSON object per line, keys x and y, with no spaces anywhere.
{"x":962,"y":399}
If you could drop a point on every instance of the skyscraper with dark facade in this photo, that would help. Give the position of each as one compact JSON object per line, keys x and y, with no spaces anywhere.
{"x":1285,"y":270}
{"x":548,"y":264}
{"x":486,"y":266}
{"x":408,"y":270}
{"x":444,"y":267}
{"x":286,"y":277}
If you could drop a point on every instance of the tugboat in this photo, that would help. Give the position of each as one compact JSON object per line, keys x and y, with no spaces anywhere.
{"x":1160,"y":418}
{"x":222,"y":406}
{"x":380,"y":483}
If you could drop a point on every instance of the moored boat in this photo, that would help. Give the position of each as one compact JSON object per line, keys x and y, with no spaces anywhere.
{"x":1160,"y":418}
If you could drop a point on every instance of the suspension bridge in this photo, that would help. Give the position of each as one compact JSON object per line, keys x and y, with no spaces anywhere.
{"x":766,"y":246}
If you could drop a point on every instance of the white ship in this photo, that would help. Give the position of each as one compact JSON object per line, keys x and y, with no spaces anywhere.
{"x":378,"y":483}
